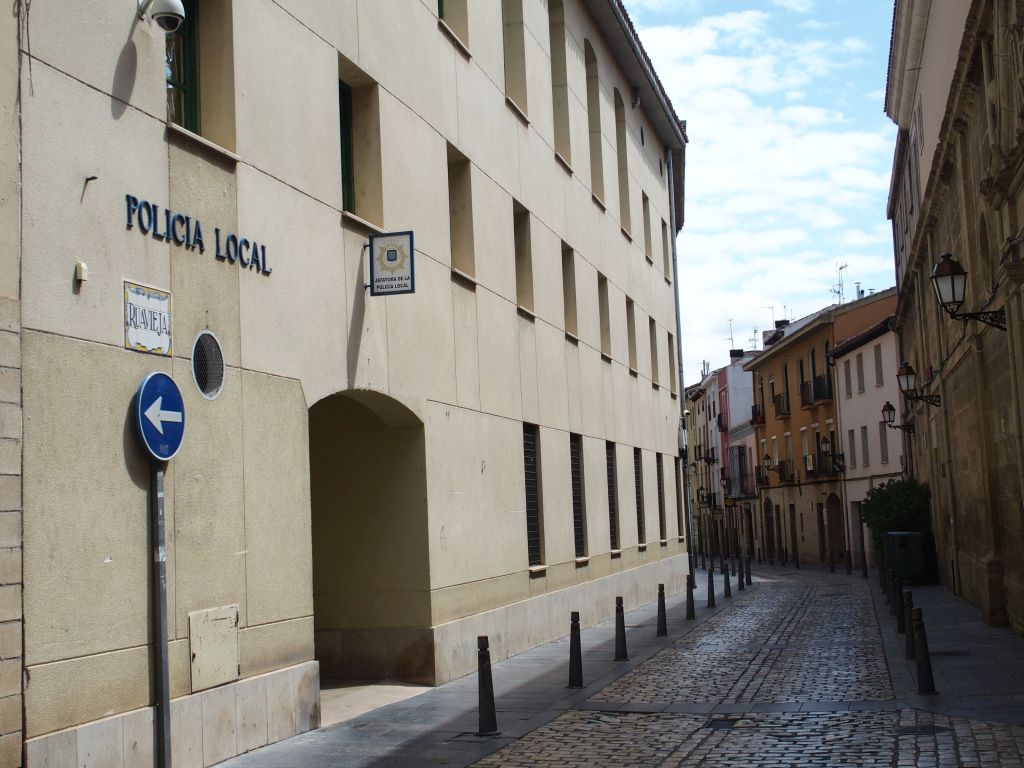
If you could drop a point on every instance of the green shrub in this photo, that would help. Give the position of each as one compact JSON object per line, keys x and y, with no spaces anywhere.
{"x":899,"y":505}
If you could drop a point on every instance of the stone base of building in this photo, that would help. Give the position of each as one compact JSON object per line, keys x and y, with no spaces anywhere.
{"x":448,"y":651}
{"x":206,"y":727}
{"x":520,"y":626}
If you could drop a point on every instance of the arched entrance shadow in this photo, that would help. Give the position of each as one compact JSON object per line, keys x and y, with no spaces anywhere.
{"x":371,"y":588}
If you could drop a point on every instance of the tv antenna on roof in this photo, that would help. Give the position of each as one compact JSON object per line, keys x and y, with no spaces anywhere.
{"x":772,"y":308}
{"x":838,"y":289}
{"x":732,"y":343}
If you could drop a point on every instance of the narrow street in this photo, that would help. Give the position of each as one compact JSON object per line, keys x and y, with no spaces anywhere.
{"x":791,"y":672}
{"x":794,"y":674}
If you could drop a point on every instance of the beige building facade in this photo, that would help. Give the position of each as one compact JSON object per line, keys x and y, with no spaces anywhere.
{"x":366,"y":482}
{"x":954,"y":90}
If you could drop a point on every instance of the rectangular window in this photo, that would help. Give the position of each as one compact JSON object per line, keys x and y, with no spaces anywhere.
{"x":455,"y":15}
{"x":359,"y":123}
{"x":531,"y":475}
{"x":579,"y":515}
{"x":631,"y":333}
{"x":672,"y":363}
{"x":666,"y":251}
{"x":524,"y":257}
{"x":514,"y":45}
{"x":559,"y":79}
{"x":348,"y":171}
{"x":569,"y":289}
{"x":602,"y":309}
{"x":883,"y":443}
{"x":613,"y":495}
{"x":860,"y":372}
{"x":652,"y":330}
{"x":182,"y":69}
{"x":680,"y":525}
{"x":648,"y":245}
{"x":851,"y":450}
{"x":638,"y":481}
{"x":865,"y":456}
{"x":594,"y":131}
{"x":879,"y":380}
{"x":623,"y":160}
{"x":847,"y":379}
{"x":199,"y":69}
{"x":662,"y":524}
{"x":460,"y":212}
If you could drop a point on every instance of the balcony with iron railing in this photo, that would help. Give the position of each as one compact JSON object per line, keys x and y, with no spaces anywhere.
{"x":756,"y":415}
{"x":824,"y":464}
{"x":744,"y":487}
{"x":816,"y":390}
{"x":721,"y":423}
{"x":785,"y":470}
{"x":712,"y":500}
{"x":711,"y":455}
{"x":781,"y":404}
{"x":761,"y":476}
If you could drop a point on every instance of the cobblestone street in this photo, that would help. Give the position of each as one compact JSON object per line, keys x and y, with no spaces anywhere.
{"x":793,"y":674}
{"x":805,"y":669}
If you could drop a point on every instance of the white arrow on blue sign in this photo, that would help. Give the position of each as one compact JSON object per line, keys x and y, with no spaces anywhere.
{"x":160,"y":415}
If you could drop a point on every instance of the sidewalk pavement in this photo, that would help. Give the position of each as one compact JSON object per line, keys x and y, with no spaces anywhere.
{"x":978,"y":669}
{"x":439,"y":727}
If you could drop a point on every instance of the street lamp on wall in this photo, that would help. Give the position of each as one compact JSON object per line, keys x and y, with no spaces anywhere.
{"x":907,"y":378}
{"x":950,"y":282}
{"x":889,"y":417}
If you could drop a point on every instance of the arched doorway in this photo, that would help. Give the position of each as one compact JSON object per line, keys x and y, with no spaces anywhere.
{"x":371,"y":587}
{"x":836,"y":529}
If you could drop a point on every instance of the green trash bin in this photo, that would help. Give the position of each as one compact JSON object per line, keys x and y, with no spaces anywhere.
{"x":904,"y":554}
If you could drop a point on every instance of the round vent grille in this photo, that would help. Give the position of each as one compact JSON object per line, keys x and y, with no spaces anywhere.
{"x":208,"y":365}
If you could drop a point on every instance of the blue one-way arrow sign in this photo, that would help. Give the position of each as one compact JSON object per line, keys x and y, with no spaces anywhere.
{"x":160,"y":415}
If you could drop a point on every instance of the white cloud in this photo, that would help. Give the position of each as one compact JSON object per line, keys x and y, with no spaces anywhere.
{"x":800,"y":6}
{"x":778,"y":179}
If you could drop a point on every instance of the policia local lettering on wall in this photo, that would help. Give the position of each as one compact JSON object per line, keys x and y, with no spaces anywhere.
{"x":185,"y":231}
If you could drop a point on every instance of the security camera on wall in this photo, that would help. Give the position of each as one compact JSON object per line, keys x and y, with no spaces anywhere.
{"x":168,"y":14}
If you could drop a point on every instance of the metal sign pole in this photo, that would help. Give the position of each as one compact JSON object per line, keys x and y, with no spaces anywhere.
{"x":162,"y":676}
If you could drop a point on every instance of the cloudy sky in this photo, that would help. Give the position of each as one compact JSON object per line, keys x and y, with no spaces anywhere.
{"x":788,"y":163}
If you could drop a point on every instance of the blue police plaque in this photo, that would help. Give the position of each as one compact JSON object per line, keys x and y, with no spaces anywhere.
{"x":160,"y":415}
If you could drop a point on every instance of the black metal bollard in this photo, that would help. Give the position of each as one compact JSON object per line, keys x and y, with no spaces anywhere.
{"x":620,"y":632}
{"x":750,"y":580}
{"x":691,"y":612}
{"x":897,"y":591}
{"x":488,"y":723}
{"x":703,"y":560}
{"x":849,"y":563}
{"x":831,"y":561}
{"x":728,"y":582}
{"x":662,"y":620}
{"x":739,"y":576}
{"x":892,"y":592}
{"x":925,"y":681}
{"x":908,"y":608}
{"x":881,"y":569}
{"x":711,"y":587}
{"x":887,"y":587}
{"x":782,"y":559}
{"x":575,"y":652}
